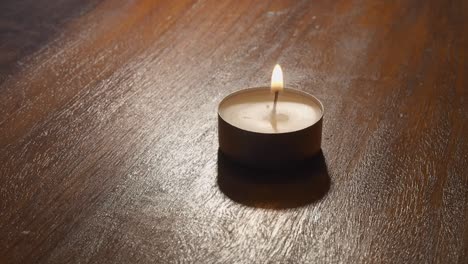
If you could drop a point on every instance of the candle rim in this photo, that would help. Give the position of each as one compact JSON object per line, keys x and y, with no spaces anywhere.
{"x":285,"y":89}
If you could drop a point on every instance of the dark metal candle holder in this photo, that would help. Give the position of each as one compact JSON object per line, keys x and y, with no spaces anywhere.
{"x":270,"y":150}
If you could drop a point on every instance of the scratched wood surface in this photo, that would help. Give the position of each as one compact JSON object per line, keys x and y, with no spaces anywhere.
{"x":108,"y":140}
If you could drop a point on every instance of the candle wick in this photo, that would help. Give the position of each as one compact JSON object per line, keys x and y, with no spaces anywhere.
{"x":273,"y":113}
{"x":275,"y":101}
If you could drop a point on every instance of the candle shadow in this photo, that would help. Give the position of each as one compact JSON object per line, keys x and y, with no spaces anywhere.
{"x":274,"y":189}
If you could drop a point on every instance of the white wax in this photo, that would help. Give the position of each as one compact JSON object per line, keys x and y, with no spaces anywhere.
{"x":252,"y":110}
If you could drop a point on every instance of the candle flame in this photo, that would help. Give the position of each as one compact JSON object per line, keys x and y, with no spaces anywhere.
{"x":277,"y":79}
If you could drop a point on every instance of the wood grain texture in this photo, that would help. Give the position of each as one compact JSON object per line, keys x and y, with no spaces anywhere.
{"x":108,"y":141}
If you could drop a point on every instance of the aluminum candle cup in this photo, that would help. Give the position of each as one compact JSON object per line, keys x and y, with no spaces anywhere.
{"x":254,"y":132}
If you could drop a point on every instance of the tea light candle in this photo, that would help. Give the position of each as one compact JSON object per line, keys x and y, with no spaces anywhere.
{"x":252,"y":110}
{"x":270,"y":127}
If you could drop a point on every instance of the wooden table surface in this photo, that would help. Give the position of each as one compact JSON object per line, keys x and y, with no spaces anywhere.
{"x":108,"y":132}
